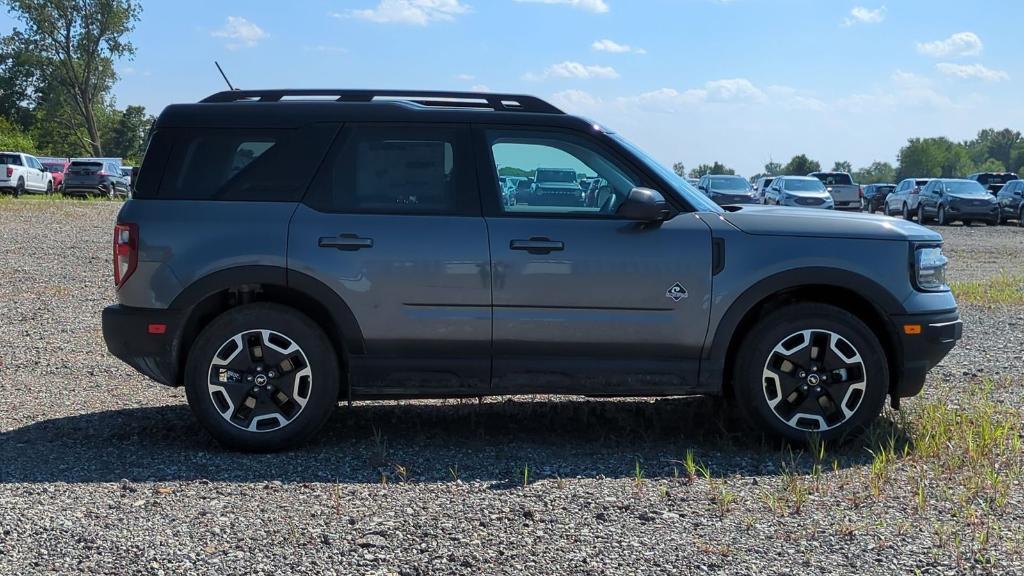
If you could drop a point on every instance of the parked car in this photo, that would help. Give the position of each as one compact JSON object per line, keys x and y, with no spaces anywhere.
{"x":875,"y":195}
{"x":126,"y":171}
{"x":1011,"y":202}
{"x":693,"y":181}
{"x":56,"y":170}
{"x":554,"y":187}
{"x":761,"y":187}
{"x":903,"y":199}
{"x":799,"y":191}
{"x":95,"y":178}
{"x":383,"y":265}
{"x":21,"y":173}
{"x":951,"y":199}
{"x":725,"y":189}
{"x":845,"y":194}
{"x":993,"y":181}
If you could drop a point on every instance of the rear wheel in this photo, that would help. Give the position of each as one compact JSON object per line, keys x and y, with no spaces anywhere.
{"x":906,"y":212}
{"x":19,"y":188}
{"x":1020,"y":217}
{"x":811,"y":369}
{"x":262,"y":377}
{"x":940,"y":218}
{"x":968,"y":223}
{"x":920,"y":215}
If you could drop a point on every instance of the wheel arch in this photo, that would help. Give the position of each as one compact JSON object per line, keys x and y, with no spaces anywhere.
{"x":847,"y":290}
{"x":211,"y":295}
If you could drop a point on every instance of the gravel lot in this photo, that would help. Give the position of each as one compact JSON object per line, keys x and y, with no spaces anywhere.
{"x":104,"y":472}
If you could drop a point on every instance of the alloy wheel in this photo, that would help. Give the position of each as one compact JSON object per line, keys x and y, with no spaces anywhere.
{"x":260,"y":380}
{"x":814,"y":380}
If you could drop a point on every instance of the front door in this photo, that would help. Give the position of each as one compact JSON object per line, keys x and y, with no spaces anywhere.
{"x":392,"y":225}
{"x":585,"y":300}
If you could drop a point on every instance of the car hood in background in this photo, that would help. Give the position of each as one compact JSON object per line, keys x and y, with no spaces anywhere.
{"x":807,"y":193}
{"x":774,"y":221}
{"x":969,"y":196}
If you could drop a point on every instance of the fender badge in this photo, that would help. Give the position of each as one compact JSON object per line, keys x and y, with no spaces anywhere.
{"x":676,"y":292}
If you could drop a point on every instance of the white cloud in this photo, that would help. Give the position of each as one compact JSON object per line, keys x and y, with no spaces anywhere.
{"x":972,"y":71}
{"x":240,"y":32}
{"x":959,"y":44}
{"x":862,"y":15}
{"x":465,"y":77}
{"x":414,"y":12}
{"x":326,"y":49}
{"x":575,"y":101}
{"x":607,"y":45}
{"x":569,"y":69}
{"x":596,"y":6}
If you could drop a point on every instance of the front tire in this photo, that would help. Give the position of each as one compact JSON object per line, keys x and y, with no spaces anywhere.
{"x":906,"y":212}
{"x":811,"y":369}
{"x":920,"y":215}
{"x":940,"y":218}
{"x":49,"y":188}
{"x":1020,"y":218}
{"x":262,"y":377}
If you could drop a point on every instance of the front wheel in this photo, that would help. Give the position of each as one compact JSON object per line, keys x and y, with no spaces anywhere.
{"x":811,"y":369}
{"x":49,"y":188}
{"x":262,"y":377}
{"x":940,"y":218}
{"x":1020,"y":218}
{"x":906,"y":212}
{"x":920,"y":215}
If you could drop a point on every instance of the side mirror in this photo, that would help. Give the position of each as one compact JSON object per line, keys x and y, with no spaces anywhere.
{"x":644,"y":204}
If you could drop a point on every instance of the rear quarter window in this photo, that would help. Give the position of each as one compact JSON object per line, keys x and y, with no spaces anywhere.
{"x":233,"y":164}
{"x":10,"y":159}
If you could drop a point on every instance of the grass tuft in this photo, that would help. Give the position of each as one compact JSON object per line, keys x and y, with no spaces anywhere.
{"x":998,"y":290}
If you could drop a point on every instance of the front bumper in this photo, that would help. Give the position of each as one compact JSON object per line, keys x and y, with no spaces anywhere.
{"x":920,"y":353}
{"x":967,"y":210}
{"x":127,"y":333}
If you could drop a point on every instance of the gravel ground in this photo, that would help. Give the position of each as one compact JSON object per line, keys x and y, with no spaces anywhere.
{"x":103,"y":472}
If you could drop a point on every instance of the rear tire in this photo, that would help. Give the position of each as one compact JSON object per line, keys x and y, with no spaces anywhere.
{"x":920,"y":215}
{"x":940,"y":218}
{"x":19,"y":188}
{"x":834,"y":384}
{"x":1020,"y":217}
{"x":262,"y":364}
{"x":906,"y":213}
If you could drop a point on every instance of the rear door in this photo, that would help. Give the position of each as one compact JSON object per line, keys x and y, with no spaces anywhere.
{"x":392,"y":225}
{"x":584,"y":300}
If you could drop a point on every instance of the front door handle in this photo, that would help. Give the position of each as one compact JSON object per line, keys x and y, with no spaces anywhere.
{"x":537,"y":245}
{"x":347,"y":242}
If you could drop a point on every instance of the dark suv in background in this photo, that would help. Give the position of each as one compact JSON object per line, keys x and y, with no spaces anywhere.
{"x":875,"y":195}
{"x":1011,"y":202}
{"x":993,"y":181}
{"x":726,"y":189}
{"x":951,"y":199}
{"x":95,"y":178}
{"x":383,"y":264}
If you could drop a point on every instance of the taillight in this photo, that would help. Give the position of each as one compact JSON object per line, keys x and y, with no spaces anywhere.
{"x":102,"y":173}
{"x":126,"y":252}
{"x":10,"y":171}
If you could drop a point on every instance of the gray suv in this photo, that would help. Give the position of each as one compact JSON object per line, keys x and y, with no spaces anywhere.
{"x":383,"y":264}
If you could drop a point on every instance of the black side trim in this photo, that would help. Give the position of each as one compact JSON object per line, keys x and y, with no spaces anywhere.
{"x":717,"y":256}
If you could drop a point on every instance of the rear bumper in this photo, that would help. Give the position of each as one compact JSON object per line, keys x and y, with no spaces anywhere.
{"x":921,"y":352}
{"x":126,"y":332}
{"x":84,"y":190}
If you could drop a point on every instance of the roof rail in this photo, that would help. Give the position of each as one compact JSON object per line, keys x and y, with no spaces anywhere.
{"x":496,"y":102}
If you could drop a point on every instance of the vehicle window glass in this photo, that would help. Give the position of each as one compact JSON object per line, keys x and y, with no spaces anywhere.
{"x":79,"y":167}
{"x":395,"y":170}
{"x":556,"y":162}
{"x":835,"y":179}
{"x":800,"y":185}
{"x":966,"y":187}
{"x":10,"y":159}
{"x":260,"y":165}
{"x":729,"y":183}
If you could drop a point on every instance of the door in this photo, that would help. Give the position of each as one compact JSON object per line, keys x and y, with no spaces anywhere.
{"x":392,"y":225}
{"x":584,"y":300}
{"x":34,"y":175}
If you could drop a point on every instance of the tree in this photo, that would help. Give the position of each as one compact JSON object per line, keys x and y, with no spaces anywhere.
{"x":801,"y":165}
{"x":128,"y":135}
{"x":842,"y":166}
{"x":19,"y":74}
{"x":13,"y":139}
{"x":990,"y":165}
{"x":773,"y":168}
{"x":679,"y":169}
{"x":716,"y":168}
{"x":877,"y":172}
{"x":992,"y":144}
{"x":76,"y":43}
{"x":933,"y":158}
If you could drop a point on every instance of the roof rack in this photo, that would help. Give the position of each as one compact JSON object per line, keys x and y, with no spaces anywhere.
{"x":487,"y":100}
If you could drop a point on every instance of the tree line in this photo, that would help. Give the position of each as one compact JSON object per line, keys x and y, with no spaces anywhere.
{"x":992,"y":150}
{"x":57,"y":72}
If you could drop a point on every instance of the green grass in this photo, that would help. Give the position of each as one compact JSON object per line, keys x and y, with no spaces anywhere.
{"x":1002,"y":289}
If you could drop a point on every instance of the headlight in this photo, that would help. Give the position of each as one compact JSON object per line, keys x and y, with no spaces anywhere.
{"x":930,"y":269}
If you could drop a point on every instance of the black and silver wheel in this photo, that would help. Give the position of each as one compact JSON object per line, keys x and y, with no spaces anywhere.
{"x":940,"y":218}
{"x":262,"y":377}
{"x":811,"y":369}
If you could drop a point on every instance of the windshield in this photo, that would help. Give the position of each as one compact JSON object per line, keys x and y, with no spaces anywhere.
{"x":560,"y":176}
{"x":835,"y":178}
{"x":700,"y":202}
{"x":965,"y":188}
{"x":803,"y":185}
{"x":730,"y":183}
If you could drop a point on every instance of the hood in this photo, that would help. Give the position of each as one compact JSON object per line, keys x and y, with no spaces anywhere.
{"x":971,"y":196}
{"x":807,"y":193}
{"x":816,"y":223}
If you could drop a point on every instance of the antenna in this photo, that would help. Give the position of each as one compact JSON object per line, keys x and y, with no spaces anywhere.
{"x":225,"y":76}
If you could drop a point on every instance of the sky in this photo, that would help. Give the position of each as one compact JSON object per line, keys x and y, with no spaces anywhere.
{"x":741,"y":82}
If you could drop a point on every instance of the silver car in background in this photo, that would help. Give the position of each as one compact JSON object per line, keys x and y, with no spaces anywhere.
{"x":799,"y":191}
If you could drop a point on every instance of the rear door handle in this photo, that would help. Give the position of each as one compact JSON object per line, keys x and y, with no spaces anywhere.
{"x":538,"y":245}
{"x":347,"y":242}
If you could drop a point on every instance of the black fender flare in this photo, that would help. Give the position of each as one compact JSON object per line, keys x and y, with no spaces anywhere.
{"x":720,"y":337}
{"x":339,"y":311}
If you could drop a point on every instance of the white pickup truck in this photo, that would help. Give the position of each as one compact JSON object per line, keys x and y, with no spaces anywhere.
{"x":23,"y":173}
{"x":845,"y":194}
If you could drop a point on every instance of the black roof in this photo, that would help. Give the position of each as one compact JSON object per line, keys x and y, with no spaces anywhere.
{"x":286,"y":108}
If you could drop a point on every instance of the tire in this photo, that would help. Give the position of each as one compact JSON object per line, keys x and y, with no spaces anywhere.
{"x":968,"y":223}
{"x":767,"y":405}
{"x":278,"y":333}
{"x":940,"y":217}
{"x":49,"y":187}
{"x":1020,"y":217}
{"x":19,"y":189}
{"x":995,"y":221}
{"x":110,"y":192}
{"x":920,"y":215}
{"x":906,"y":212}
